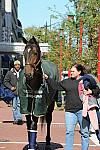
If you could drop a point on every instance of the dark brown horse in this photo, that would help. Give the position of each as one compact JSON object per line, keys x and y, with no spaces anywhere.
{"x":37,"y":99}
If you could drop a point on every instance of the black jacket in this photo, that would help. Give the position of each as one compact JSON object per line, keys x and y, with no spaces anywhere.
{"x":73,"y":102}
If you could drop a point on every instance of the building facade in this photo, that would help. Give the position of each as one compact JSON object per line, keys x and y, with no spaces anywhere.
{"x":9,"y":23}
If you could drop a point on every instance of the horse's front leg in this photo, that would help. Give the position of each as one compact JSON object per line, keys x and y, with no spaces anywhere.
{"x":32,"y":131}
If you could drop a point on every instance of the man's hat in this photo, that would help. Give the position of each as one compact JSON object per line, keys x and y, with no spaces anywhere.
{"x":17,"y":62}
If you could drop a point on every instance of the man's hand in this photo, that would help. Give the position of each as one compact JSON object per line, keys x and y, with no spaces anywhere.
{"x":87,"y":92}
{"x":13,"y":88}
{"x":45,"y":76}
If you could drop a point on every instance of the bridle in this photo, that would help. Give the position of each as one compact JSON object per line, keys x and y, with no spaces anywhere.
{"x":34,"y":65}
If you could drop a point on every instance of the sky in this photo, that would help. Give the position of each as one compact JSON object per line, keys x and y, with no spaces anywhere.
{"x":36,"y":12}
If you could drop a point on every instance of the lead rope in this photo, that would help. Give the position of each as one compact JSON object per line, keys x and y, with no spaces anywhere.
{"x":44,"y":81}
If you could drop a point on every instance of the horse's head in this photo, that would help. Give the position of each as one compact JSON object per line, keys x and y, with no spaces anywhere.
{"x":32,"y":55}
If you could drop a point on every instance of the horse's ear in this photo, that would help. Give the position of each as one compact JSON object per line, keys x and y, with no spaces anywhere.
{"x":24,"y":40}
{"x":34,"y":39}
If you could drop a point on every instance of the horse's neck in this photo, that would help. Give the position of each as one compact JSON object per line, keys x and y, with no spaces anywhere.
{"x":50,"y":69}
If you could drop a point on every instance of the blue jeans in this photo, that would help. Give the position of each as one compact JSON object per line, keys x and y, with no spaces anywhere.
{"x":16,"y":109}
{"x":71,"y":120}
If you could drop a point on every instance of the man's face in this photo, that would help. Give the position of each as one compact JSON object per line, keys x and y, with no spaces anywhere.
{"x":17,"y":67}
{"x":75,"y":73}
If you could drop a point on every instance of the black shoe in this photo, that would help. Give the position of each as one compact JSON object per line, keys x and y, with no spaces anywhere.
{"x":19,"y":122}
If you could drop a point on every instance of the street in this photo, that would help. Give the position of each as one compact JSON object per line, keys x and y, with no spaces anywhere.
{"x":14,"y":137}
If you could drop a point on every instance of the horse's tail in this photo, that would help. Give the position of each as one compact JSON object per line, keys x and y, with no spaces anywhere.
{"x":42,"y":121}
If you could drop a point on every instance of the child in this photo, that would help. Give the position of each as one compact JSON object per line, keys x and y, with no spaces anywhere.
{"x":90,"y":104}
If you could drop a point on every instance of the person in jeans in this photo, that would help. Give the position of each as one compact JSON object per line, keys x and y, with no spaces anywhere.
{"x":11,"y":82}
{"x":90,"y":104}
{"x":73,"y":106}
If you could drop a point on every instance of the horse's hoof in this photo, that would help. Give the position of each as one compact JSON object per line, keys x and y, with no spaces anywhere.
{"x":48,"y":147}
{"x":48,"y":139}
{"x":36,"y":147}
{"x":48,"y":143}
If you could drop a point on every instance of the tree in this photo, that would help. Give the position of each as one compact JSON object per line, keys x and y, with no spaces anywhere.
{"x":89,"y":12}
{"x":39,"y":33}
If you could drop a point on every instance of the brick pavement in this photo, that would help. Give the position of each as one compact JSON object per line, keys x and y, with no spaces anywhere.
{"x":14,"y":137}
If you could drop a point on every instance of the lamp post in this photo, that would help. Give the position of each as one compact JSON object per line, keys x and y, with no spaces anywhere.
{"x":99,"y":54}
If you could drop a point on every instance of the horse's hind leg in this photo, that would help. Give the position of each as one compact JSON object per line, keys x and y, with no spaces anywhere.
{"x":48,"y":120}
{"x":48,"y":138}
{"x":32,"y":131}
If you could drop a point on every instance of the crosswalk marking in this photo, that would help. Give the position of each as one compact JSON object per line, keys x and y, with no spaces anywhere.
{"x":91,"y":145}
{"x":92,"y":137}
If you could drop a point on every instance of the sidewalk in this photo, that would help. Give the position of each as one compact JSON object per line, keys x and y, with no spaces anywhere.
{"x":14,"y":137}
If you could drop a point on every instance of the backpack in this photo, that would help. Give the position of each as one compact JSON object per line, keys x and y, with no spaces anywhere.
{"x":6,"y":94}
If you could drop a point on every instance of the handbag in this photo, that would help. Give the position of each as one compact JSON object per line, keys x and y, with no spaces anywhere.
{"x":6,"y":94}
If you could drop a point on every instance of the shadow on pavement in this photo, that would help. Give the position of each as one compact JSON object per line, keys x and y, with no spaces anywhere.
{"x":9,"y":121}
{"x":42,"y":146}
